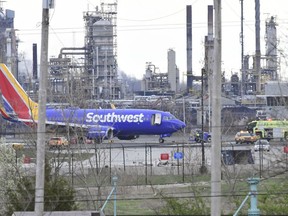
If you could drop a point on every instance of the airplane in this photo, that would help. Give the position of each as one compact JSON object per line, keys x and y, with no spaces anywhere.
{"x":98,"y":124}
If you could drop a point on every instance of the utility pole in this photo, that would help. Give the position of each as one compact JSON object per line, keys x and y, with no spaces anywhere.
{"x":203,"y":168}
{"x":243,"y":73}
{"x":41,"y":128}
{"x":258,"y":50}
{"x":216,"y":117}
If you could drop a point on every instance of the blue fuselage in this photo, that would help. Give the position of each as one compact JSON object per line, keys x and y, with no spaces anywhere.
{"x":123,"y":121}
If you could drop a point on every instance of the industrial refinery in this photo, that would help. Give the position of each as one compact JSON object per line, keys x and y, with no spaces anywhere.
{"x":88,"y":75}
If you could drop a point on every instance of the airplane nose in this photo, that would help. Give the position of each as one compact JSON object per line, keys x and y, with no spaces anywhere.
{"x":181,"y":125}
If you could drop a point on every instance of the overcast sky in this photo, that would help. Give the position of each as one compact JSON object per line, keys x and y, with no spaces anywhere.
{"x":147,"y":29}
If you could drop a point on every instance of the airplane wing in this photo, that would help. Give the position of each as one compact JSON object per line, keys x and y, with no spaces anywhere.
{"x":97,"y":132}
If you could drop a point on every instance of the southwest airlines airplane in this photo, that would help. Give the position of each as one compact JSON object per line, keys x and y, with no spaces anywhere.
{"x":98,"y":124}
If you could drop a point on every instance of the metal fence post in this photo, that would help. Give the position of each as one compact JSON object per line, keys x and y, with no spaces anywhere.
{"x":253,"y":211}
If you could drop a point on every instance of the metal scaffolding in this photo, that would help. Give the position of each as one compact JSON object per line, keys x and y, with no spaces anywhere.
{"x":91,"y":70}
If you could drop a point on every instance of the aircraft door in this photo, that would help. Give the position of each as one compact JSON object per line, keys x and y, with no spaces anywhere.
{"x":156,"y":119}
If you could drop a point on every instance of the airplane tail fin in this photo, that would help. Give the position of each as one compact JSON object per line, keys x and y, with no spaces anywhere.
{"x":16,"y":105}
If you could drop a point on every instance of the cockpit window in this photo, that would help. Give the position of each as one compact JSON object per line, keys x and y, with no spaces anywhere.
{"x":169,"y":117}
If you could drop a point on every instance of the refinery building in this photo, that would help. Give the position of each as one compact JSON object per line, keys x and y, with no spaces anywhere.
{"x":90,"y":73}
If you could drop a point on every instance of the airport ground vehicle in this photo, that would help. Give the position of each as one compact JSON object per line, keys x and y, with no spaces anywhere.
{"x":262,"y":145}
{"x":261,"y":115}
{"x":57,"y":142}
{"x":245,"y":137}
{"x":269,"y":129}
{"x":196,"y":135}
{"x":17,"y":146}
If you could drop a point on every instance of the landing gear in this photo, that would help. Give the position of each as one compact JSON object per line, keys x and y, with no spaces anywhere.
{"x":98,"y":140}
{"x":161,"y":138}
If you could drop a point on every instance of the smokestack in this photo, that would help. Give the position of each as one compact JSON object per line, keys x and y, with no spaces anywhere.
{"x":35,"y":71}
{"x":210,"y":23}
{"x":189,"y":47}
{"x":257,"y":51}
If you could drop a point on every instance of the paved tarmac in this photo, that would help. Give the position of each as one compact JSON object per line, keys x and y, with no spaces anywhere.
{"x":147,"y":150}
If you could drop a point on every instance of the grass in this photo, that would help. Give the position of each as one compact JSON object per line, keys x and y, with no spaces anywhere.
{"x":133,"y":203}
{"x":131,"y":207}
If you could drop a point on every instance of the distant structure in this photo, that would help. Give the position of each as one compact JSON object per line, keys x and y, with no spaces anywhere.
{"x":209,"y":54}
{"x":155,"y":83}
{"x":8,"y":40}
{"x":272,"y":60}
{"x":269,"y":64}
{"x":90,"y":71}
{"x":235,"y":85}
{"x":101,"y":48}
{"x":189,"y":47}
{"x":173,"y":71}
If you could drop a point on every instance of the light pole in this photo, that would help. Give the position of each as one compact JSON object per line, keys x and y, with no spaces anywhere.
{"x":260,"y":158}
{"x":203,"y":168}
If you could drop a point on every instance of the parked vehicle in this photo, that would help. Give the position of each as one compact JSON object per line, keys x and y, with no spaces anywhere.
{"x":262,"y":145}
{"x":245,"y":137}
{"x":57,"y":142}
{"x":196,"y":135}
{"x":269,"y":129}
{"x":17,"y":146}
{"x":261,"y":115}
